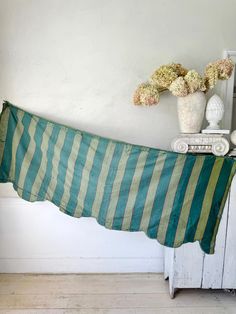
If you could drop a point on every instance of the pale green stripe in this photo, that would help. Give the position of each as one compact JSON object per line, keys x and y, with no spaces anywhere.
{"x":152,"y":190}
{"x":221,"y":209}
{"x":15,"y":142}
{"x":116,"y":187}
{"x":207,"y":202}
{"x":43,"y":165}
{"x":3,"y":130}
{"x":102,"y":179}
{"x":55,"y":163}
{"x":28,"y":155}
{"x":85,"y":176}
{"x":134,"y":189}
{"x":70,"y":170}
{"x":168,"y":204}
{"x":188,"y":198}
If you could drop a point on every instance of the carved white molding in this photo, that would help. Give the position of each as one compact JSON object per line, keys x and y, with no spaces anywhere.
{"x":201,"y":143}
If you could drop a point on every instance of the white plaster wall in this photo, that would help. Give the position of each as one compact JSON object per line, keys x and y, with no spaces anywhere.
{"x":78,"y":62}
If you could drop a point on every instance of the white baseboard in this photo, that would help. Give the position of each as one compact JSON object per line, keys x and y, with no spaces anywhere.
{"x":80,"y":265}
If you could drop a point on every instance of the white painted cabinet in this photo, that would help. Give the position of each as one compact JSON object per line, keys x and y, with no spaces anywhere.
{"x":188,"y":267}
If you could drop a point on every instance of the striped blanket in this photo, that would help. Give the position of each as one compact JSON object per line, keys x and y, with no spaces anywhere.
{"x":174,"y":198}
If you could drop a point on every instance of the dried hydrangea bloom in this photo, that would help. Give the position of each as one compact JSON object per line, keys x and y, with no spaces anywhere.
{"x":163,"y":76}
{"x":146,"y":95}
{"x":225,"y":68}
{"x":181,"y":81}
{"x":179,"y":69}
{"x":218,"y":70}
{"x":179,"y":87}
{"x":195,"y":81}
{"x":203,"y":87}
{"x":211,"y":75}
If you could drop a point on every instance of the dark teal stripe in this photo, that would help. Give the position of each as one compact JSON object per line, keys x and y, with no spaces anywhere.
{"x":216,"y":205}
{"x":125,"y":188}
{"x":36,"y":160}
{"x":199,"y":194}
{"x":93,"y":177}
{"x":78,"y":170}
{"x":62,"y":167}
{"x":109,"y":182}
{"x":23,"y":146}
{"x":160,"y":195}
{"x":50,"y":152}
{"x":179,"y":199}
{"x":7,"y":154}
{"x":143,"y":189}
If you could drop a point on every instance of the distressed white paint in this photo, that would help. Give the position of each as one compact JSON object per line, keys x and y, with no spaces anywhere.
{"x":229,"y":275}
{"x":213,"y":265}
{"x":189,"y":267}
{"x":187,"y":258}
{"x":78,"y":62}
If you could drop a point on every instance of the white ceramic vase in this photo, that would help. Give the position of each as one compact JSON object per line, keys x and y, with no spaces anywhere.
{"x":191,"y":110}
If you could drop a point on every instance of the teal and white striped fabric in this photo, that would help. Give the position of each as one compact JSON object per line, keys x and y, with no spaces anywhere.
{"x":174,"y":198}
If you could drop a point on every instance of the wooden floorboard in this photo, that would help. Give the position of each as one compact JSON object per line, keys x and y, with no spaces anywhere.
{"x":106,"y":294}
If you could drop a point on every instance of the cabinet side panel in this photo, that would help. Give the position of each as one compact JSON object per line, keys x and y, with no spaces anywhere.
{"x":229,"y":275}
{"x":188,"y":266}
{"x":214,"y":264}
